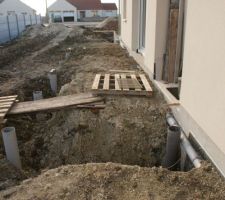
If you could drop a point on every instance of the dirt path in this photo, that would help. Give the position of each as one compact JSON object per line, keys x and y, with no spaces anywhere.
{"x":130,"y":131}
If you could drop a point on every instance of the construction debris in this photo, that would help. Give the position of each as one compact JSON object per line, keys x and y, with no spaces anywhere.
{"x":131,"y":130}
{"x":6,"y":103}
{"x":122,"y":84}
{"x":54,"y":103}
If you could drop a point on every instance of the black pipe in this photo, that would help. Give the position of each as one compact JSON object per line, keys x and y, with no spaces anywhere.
{"x":172,"y":156}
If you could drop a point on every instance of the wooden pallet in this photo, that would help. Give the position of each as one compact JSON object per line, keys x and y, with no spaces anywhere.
{"x":6,"y":104}
{"x":122,"y":84}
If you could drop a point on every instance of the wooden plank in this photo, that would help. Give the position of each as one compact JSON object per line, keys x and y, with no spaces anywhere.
{"x":7,"y":100}
{"x":124,"y":76}
{"x":2,"y":115}
{"x":4,"y":110}
{"x":145,"y":83}
{"x":133,"y":76}
{"x":6,"y":105}
{"x":8,"y":97}
{"x":179,"y":40}
{"x":117,"y":87}
{"x":122,"y":71}
{"x":173,"y":31}
{"x":123,"y":92}
{"x":96,"y":82}
{"x":53,"y":103}
{"x":106,"y":82}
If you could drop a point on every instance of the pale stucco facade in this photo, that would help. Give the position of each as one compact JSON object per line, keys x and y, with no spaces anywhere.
{"x":201,"y":109}
{"x":15,"y":7}
{"x":62,"y":9}
{"x":65,"y":10}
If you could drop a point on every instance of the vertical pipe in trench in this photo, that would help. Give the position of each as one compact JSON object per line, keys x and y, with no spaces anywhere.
{"x":172,"y":148}
{"x":52,"y":75}
{"x":37,"y":95}
{"x":11,"y":146}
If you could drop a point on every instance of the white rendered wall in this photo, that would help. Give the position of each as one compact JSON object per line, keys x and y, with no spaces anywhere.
{"x":15,"y":5}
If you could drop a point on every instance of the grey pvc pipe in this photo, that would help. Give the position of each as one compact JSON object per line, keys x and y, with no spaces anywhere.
{"x":192,"y":154}
{"x":172,"y":148}
{"x":11,"y":146}
{"x":52,"y":75}
{"x":37,"y":95}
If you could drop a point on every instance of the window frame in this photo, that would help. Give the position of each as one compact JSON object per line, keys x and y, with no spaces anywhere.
{"x":142,"y":25}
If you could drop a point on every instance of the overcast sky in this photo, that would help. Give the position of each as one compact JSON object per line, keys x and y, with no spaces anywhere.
{"x":39,"y":5}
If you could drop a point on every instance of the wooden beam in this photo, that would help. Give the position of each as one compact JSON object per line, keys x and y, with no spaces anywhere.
{"x":145,"y":82}
{"x":134,"y":77}
{"x":106,"y":82}
{"x":117,"y":86}
{"x":123,"y":86}
{"x":174,"y":13}
{"x":8,"y":97}
{"x":179,"y":40}
{"x":96,"y":82}
{"x":122,"y":71}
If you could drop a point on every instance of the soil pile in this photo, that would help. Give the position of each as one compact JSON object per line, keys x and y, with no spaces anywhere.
{"x":114,"y":181}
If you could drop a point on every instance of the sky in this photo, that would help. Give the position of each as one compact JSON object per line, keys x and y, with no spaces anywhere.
{"x":39,"y":5}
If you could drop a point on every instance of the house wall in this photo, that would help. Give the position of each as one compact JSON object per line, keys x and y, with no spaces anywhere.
{"x":202,"y":108}
{"x":91,"y":13}
{"x":15,"y":5}
{"x":59,"y":7}
{"x":202,"y":91}
{"x":156,"y":32}
{"x":107,"y":13}
{"x":126,"y":23}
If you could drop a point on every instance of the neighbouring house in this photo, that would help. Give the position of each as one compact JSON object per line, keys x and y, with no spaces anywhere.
{"x":180,"y":45}
{"x":74,"y":10}
{"x":12,"y":7}
{"x":15,"y":16}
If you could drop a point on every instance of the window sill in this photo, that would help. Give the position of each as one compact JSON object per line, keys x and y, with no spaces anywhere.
{"x":141,"y":52}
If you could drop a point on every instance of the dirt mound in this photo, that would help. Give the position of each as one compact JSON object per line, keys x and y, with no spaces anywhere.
{"x":9,"y":175}
{"x":110,"y":23}
{"x":129,"y":131}
{"x":32,"y":40}
{"x":114,"y":181}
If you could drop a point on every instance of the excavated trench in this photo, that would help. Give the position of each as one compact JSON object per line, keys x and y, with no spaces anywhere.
{"x":130,"y":130}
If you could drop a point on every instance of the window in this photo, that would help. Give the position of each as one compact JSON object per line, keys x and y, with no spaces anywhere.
{"x":124,"y":9}
{"x":95,"y":12}
{"x":142,"y":26}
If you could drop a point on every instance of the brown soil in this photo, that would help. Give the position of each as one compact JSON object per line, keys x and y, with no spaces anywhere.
{"x":130,"y":130}
{"x":114,"y":181}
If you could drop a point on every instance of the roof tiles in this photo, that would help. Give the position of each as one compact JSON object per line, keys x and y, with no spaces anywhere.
{"x":86,"y":4}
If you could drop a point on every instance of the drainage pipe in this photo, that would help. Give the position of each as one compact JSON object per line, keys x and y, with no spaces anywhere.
{"x":52,"y":75}
{"x":37,"y":95}
{"x":11,"y":146}
{"x":192,"y":154}
{"x":172,"y":148}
